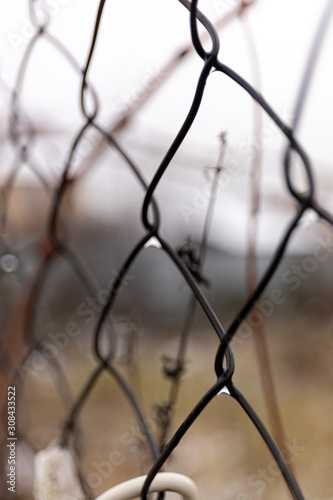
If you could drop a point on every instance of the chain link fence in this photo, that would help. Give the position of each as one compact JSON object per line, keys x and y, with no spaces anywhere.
{"x":46,"y":266}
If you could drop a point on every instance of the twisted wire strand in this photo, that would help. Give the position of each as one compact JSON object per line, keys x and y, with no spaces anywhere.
{"x":163,"y":75}
{"x":58,"y":246}
{"x":58,"y":233}
{"x":305,"y":202}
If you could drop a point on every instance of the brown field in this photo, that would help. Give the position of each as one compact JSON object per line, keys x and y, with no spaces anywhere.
{"x":222,"y":452}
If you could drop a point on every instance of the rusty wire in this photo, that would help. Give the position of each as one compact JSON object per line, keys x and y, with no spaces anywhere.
{"x":56,"y":244}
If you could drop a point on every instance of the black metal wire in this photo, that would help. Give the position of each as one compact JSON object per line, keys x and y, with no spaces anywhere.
{"x":58,"y":241}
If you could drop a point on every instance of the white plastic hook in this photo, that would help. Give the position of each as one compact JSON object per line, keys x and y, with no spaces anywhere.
{"x":164,"y":481}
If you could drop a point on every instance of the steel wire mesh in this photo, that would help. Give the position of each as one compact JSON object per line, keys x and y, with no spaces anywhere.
{"x":21,"y":340}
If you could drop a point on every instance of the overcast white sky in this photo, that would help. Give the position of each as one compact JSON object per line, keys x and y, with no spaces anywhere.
{"x":135,"y":41}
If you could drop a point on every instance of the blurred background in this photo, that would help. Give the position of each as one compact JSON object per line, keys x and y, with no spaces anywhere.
{"x":145,"y":73}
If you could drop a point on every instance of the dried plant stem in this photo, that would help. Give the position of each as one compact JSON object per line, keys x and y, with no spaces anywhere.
{"x":152,"y":87}
{"x":260,"y":337}
{"x":191,"y":308}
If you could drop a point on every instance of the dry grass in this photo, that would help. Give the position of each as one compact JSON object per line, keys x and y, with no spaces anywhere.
{"x":222,"y":452}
